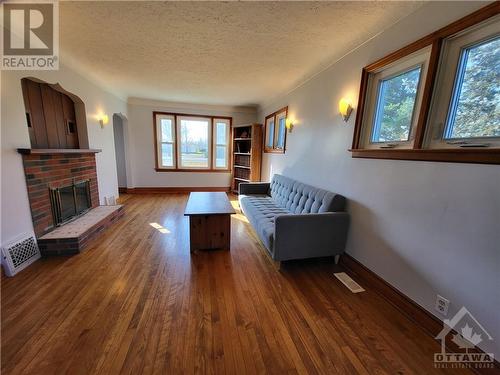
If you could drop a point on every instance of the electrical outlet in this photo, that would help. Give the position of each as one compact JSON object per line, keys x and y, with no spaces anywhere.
{"x":442,"y":305}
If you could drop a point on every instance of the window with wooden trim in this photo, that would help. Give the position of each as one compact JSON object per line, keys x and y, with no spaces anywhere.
{"x":465,"y":109}
{"x":166,"y":136}
{"x":394,"y":97}
{"x":275,"y":131}
{"x":436,"y":99}
{"x":192,"y":142}
{"x":221,"y":143}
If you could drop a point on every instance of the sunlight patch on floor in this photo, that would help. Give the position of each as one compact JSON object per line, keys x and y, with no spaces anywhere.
{"x":239,"y":215}
{"x":235,"y":204}
{"x":160,"y":228}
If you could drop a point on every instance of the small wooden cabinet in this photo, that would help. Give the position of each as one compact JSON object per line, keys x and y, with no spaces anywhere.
{"x":247,"y":154}
{"x":50,"y":116}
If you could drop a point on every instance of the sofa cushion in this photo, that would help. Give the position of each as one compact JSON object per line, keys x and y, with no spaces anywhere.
{"x":261,"y":210}
{"x":299,"y":198}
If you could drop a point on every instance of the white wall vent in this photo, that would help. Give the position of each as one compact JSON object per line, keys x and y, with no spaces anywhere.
{"x":19,"y":254}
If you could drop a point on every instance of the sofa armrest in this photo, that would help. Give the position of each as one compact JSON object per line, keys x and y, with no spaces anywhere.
{"x":310,"y":235}
{"x":251,"y":188}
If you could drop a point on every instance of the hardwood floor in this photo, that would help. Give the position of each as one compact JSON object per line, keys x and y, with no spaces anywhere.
{"x":137,"y":302}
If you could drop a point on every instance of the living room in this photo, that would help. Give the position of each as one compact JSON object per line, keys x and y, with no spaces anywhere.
{"x":253,"y":187}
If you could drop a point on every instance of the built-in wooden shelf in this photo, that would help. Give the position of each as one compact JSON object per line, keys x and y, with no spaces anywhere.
{"x":241,"y":179}
{"x":47,"y":151}
{"x":247,"y":155}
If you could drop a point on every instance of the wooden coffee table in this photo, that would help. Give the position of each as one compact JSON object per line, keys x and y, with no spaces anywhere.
{"x":209,"y":220}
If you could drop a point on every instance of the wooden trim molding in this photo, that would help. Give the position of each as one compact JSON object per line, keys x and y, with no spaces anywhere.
{"x":419,"y":151}
{"x":210,"y":170}
{"x":416,"y":313}
{"x":174,"y":189}
{"x":454,"y":155}
{"x":48,"y":151}
{"x":427,"y":94}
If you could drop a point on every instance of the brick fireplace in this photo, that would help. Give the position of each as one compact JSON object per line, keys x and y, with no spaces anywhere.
{"x":46,"y":170}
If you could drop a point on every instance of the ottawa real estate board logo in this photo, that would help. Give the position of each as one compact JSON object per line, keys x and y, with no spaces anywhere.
{"x":466,"y":333}
{"x":30,"y":35}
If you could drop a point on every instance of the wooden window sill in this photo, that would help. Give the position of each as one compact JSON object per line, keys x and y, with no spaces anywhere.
{"x":193,"y":170}
{"x":274,"y":151}
{"x":477,"y":155}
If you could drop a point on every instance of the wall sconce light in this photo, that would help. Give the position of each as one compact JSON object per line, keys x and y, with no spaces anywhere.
{"x":289,"y":125}
{"x":345,"y":109}
{"x":103,"y":120}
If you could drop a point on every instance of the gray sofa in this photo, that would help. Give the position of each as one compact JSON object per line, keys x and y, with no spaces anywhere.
{"x":295,"y":220}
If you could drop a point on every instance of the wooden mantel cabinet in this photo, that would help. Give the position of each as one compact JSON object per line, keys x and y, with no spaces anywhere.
{"x":50,"y":116}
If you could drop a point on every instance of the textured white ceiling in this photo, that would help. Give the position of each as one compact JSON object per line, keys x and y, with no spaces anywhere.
{"x":234,"y":53}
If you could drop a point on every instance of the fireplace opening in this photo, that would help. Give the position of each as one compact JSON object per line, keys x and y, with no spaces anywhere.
{"x":69,"y":202}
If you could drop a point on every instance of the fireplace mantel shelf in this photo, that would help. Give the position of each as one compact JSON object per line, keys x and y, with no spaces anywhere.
{"x":48,"y":151}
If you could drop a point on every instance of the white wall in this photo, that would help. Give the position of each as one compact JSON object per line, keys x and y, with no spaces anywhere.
{"x":16,"y":216}
{"x":424,"y":227}
{"x":141,"y":143}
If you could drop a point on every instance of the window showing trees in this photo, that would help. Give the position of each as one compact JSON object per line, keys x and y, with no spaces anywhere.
{"x":395,"y":105}
{"x":393,"y":99}
{"x":475,"y":105}
{"x":191,"y":142}
{"x":437,"y":99}
{"x":465,"y":110}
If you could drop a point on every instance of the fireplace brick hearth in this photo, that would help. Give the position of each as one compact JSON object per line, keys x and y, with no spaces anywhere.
{"x":49,"y":169}
{"x":73,"y":237}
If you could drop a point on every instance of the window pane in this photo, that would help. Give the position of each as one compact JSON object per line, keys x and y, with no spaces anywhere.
{"x":166,"y":130}
{"x":395,"y":106}
{"x":220,"y":130}
{"x":194,"y":144}
{"x":280,"y":143}
{"x":220,"y":157}
{"x":167,"y":155}
{"x":475,"y":105}
{"x":270,"y":133}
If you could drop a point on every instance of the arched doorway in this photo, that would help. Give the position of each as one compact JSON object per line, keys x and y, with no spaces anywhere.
{"x":121,"y":164}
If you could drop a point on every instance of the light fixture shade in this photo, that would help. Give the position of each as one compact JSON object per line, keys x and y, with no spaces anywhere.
{"x":345,"y":109}
{"x":289,"y":124}
{"x":103,"y":120}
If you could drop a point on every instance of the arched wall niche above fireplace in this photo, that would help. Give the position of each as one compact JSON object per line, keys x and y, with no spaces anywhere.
{"x":56,"y":118}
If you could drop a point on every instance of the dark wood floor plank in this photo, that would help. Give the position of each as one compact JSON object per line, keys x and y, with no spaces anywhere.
{"x":138,"y":302}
